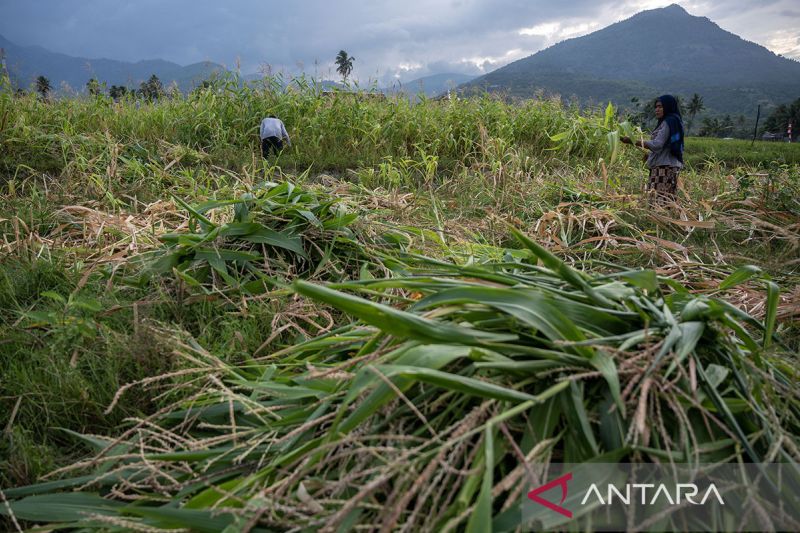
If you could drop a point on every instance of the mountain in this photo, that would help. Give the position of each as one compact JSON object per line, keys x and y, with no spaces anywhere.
{"x":26,"y":63}
{"x":431,"y":86}
{"x":658,"y":51}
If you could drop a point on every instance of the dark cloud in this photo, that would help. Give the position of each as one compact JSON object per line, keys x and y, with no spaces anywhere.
{"x":389,"y":39}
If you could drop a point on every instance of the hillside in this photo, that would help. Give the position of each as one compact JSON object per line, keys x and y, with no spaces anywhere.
{"x":25,"y":63}
{"x":658,"y":51}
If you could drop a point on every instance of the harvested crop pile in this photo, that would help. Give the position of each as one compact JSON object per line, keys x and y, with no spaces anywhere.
{"x":250,"y":243}
{"x":423,"y":413}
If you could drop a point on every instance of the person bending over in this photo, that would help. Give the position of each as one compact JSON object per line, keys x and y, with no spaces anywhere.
{"x":273,"y":132}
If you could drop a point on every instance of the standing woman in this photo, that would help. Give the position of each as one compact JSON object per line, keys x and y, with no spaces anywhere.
{"x":665,"y":160}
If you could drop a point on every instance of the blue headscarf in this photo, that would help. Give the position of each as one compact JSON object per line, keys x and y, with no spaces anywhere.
{"x":673,"y":117}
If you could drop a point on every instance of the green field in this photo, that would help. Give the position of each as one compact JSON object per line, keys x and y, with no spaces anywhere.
{"x":369,"y":329}
{"x":732,"y":153}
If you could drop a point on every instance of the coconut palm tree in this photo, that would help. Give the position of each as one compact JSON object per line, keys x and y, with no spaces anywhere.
{"x":695,"y":106}
{"x":344,"y":64}
{"x":711,"y":127}
{"x":43,"y":87}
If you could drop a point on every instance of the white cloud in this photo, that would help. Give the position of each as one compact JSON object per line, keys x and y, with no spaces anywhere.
{"x":772,"y":23}
{"x":548,"y":29}
{"x":579,"y":29}
{"x":408,"y":67}
{"x":785,"y":42}
{"x":486,"y":63}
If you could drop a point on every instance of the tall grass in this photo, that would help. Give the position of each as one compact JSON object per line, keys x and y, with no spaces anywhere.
{"x":330,"y":131}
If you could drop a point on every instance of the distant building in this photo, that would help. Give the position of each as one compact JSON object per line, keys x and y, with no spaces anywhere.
{"x":769,"y":136}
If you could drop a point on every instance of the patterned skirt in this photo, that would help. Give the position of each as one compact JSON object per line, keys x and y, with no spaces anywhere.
{"x":663,"y":184}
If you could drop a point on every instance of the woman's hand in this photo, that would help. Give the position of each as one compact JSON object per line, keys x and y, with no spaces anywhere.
{"x":638,"y":144}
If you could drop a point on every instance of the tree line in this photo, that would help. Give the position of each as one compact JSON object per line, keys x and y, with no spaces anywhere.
{"x":784,"y":115}
{"x":152,"y":89}
{"x":641,"y":113}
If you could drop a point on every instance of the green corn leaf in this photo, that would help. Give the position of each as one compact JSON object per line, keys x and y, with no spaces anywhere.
{"x":608,"y":115}
{"x":612,"y":138}
{"x":739,"y":276}
{"x":194,"y":213}
{"x":238,"y":229}
{"x":53,"y":296}
{"x":62,"y":507}
{"x":222,"y":254}
{"x":395,"y":322}
{"x":567,"y":273}
{"x":279,"y":239}
{"x":430,"y":357}
{"x":710,"y":389}
{"x":533,"y":308}
{"x":773,"y":298}
{"x":455,"y":382}
{"x":202,"y":521}
{"x":481,"y":518}
{"x":44,"y":488}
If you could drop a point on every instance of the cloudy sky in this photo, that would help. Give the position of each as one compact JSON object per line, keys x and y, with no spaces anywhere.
{"x":389,"y":39}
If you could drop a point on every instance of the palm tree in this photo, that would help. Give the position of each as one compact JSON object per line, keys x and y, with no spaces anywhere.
{"x":711,"y":127}
{"x":43,"y":87}
{"x":344,"y":64}
{"x":695,"y":106}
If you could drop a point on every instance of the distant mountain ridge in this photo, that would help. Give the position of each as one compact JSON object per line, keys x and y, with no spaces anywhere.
{"x":430,"y":86}
{"x":659,"y":51}
{"x":26,"y":63}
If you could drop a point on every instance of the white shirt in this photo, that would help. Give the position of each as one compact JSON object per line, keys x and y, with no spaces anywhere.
{"x":273,"y":127}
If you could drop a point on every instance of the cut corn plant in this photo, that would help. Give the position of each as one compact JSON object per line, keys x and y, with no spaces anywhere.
{"x":585,"y":132}
{"x":435,"y":409}
{"x":275,"y":233}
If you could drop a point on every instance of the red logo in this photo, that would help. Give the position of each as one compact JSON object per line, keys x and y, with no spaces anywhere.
{"x":562,"y":482}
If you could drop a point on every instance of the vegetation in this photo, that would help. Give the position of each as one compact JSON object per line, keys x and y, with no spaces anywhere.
{"x":43,"y":87}
{"x":736,"y":154}
{"x":784,"y":114}
{"x":117,"y":91}
{"x":93,"y":87}
{"x":344,"y":64}
{"x":385,"y":324}
{"x":694,"y":107}
{"x":152,"y":89}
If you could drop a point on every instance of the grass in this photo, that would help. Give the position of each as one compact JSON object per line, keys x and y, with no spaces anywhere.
{"x":153,"y":266}
{"x":732,"y":153}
